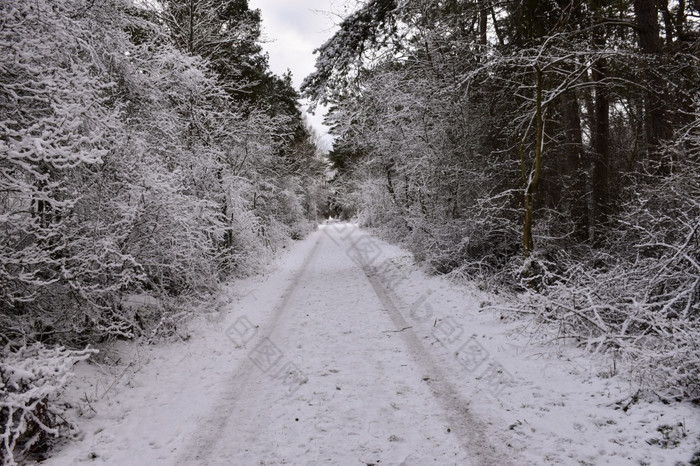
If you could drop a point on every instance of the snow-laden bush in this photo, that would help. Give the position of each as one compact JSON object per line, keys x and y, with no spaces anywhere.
{"x":475,"y":242}
{"x":31,"y":415}
{"x":126,"y":168}
{"x":57,"y":126}
{"x":376,"y":208}
{"x":640,"y":297}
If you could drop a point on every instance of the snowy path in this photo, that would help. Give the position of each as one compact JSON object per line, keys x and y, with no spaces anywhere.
{"x":372,"y":392}
{"x":326,"y":362}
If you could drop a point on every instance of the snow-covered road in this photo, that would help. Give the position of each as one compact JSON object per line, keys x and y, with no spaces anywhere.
{"x":346,"y":354}
{"x":335,"y":375}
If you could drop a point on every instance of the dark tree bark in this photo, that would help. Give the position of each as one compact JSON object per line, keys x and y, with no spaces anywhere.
{"x":533,"y":178}
{"x":601,"y":146}
{"x":647,"y":26}
{"x":656,"y":126}
{"x":600,"y":131}
{"x":483,"y":22}
{"x":575,"y":172}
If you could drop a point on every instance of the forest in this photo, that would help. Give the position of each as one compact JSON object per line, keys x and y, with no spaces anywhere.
{"x":549,"y":150}
{"x":147,"y":153}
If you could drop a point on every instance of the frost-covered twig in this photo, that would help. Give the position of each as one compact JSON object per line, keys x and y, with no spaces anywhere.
{"x":31,"y":380}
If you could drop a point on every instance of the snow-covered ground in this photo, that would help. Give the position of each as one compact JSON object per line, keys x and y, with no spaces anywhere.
{"x":346,"y":353}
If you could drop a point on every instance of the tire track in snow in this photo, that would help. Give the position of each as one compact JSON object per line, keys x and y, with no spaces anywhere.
{"x":469,"y":429}
{"x":210,"y":427}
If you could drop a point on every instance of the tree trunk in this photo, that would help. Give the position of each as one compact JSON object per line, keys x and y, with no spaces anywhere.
{"x":656,"y":126}
{"x":669,"y":24}
{"x":190,"y":33}
{"x":575,"y":172}
{"x":600,"y":133}
{"x":483,"y":22}
{"x":533,"y":178}
{"x":601,"y":147}
{"x":647,"y":25}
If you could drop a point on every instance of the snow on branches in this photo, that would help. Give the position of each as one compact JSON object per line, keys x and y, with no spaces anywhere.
{"x":126,"y":166}
{"x":342,"y":55}
{"x":31,"y":416}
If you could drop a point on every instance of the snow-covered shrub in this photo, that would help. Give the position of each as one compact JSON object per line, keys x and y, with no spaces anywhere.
{"x":475,"y":246}
{"x":640,"y":296}
{"x":473,"y":237}
{"x":244,"y":250}
{"x":173,"y":238}
{"x":31,"y":416}
{"x":55,"y":130}
{"x":126,"y":167}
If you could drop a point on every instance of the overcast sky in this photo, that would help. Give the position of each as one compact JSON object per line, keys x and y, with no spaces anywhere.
{"x":293,"y":29}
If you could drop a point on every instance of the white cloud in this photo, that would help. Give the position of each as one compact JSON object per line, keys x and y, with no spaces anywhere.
{"x":293,"y":29}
